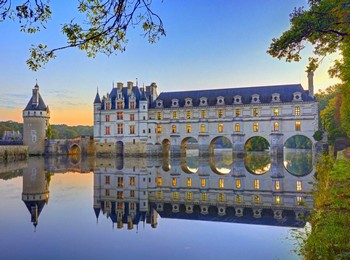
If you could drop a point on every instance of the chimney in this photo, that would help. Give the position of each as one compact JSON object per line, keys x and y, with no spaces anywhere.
{"x":310,"y":76}
{"x":130,"y":84}
{"x":119,"y":85}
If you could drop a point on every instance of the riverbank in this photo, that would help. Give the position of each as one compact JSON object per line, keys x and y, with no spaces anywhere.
{"x":13,"y":152}
{"x":330,"y":222}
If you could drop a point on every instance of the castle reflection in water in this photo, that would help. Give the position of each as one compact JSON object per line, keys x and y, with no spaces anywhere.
{"x":256,"y":189}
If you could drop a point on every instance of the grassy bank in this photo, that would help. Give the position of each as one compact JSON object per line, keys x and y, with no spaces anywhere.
{"x":330,"y":222}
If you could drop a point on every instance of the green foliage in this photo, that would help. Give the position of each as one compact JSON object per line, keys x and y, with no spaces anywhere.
{"x":103,"y":29}
{"x":330,"y":231}
{"x":298,"y":142}
{"x":258,"y":163}
{"x":318,"y":135}
{"x":257,"y":143}
{"x":49,"y":132}
{"x":10,"y":126}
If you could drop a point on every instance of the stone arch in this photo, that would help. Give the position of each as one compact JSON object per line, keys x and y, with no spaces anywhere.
{"x":220,"y":142}
{"x":190,"y":164}
{"x":257,"y":163}
{"x":257,"y":143}
{"x":221,"y":163}
{"x":189,"y":146}
{"x":119,"y":146}
{"x":298,"y":155}
{"x":166,"y":147}
{"x":74,"y":149}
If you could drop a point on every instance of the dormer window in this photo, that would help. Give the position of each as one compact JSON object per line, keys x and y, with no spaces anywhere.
{"x":220,"y":101}
{"x":237,"y":99}
{"x":175,"y":102}
{"x":297,"y":96}
{"x":203,"y":101}
{"x":255,"y":98}
{"x":188,"y":102}
{"x":160,"y":103}
{"x":276,"y":97}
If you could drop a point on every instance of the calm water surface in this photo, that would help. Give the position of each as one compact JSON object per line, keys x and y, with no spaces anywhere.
{"x":199,"y":208}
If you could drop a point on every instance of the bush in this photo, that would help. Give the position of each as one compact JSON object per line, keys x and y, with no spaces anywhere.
{"x":318,"y":135}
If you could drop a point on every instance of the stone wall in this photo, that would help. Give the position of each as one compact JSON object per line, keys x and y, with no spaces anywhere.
{"x":13,"y":152}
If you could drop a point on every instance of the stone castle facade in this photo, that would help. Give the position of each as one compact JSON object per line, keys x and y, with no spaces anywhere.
{"x":136,"y":120}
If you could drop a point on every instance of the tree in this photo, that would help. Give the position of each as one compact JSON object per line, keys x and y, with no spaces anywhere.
{"x":326,"y":25}
{"x":103,"y":29}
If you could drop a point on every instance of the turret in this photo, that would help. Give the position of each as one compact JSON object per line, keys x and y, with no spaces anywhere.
{"x":36,"y":116}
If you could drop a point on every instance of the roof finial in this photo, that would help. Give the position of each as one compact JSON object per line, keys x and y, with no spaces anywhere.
{"x":137,"y":82}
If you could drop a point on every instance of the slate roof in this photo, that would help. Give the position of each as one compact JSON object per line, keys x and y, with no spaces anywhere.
{"x":265,"y":93}
{"x":39,"y":107}
{"x":97,"y":99}
{"x":113,"y":95}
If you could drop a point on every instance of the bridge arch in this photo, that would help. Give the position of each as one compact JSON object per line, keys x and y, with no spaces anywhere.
{"x":74,"y":149}
{"x":119,"y":148}
{"x":220,"y":142}
{"x":257,"y":143}
{"x":189,"y":146}
{"x":190,"y":164}
{"x":166,"y":147}
{"x":257,"y":163}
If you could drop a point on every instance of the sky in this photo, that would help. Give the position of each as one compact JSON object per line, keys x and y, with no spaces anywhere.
{"x":209,"y":44}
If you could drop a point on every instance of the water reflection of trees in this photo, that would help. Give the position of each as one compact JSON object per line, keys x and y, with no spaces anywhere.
{"x":222,"y":162}
{"x":298,"y":162}
{"x":258,"y":162}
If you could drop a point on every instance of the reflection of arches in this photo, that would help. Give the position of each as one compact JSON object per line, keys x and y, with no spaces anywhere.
{"x":221,"y":163}
{"x":166,"y":164}
{"x":298,"y":162}
{"x":220,"y":143}
{"x":257,"y":162}
{"x":298,"y":142}
{"x":189,"y":145}
{"x":257,"y":143}
{"x":166,"y":147}
{"x":190,"y":164}
{"x":74,"y":149}
{"x":119,"y":148}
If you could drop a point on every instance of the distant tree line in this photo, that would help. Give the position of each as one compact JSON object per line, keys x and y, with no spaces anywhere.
{"x":54,"y":131}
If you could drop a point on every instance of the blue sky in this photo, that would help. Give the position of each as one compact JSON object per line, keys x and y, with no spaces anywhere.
{"x":209,"y":44}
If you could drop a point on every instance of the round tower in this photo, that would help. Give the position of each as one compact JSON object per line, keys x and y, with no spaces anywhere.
{"x":36,"y":118}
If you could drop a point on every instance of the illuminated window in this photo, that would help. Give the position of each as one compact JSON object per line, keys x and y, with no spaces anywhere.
{"x":220,"y":113}
{"x":174,"y":115}
{"x":203,"y":182}
{"x":299,"y":186}
{"x":255,"y":127}
{"x":159,"y":181}
{"x":277,"y":185}
{"x":220,"y":128}
{"x":107,"y":118}
{"x":203,"y":128}
{"x":256,"y":198}
{"x":132,"y":206}
{"x":132,"y":181}
{"x":120,"y":195}
{"x":275,"y":127}
{"x":132,"y":105}
{"x":238,"y":198}
{"x":108,"y":106}
{"x":120,"y":129}
{"x":175,"y":195}
{"x":297,"y":111}
{"x":221,"y":183}
{"x":204,"y":196}
{"x":159,"y":129}
{"x":132,"y":117}
{"x":221,"y":197}
{"x":188,"y":128}
{"x":120,"y":105}
{"x":238,"y":112}
{"x":297,"y":126}
{"x":159,"y":115}
{"x":173,"y":128}
{"x":120,"y":115}
{"x":108,"y":192}
{"x":237,"y":127}
{"x":159,"y":194}
{"x":188,"y":114}
{"x":238,"y":184}
{"x":189,"y":195}
{"x":276,"y":111}
{"x":174,"y":182}
{"x":256,"y":184}
{"x":277,"y":200}
{"x":108,"y":130}
{"x":132,"y":194}
{"x":203,"y":114}
{"x":299,"y":200}
{"x":108,"y":179}
{"x":132,"y":129}
{"x":255,"y":111}
{"x":189,"y":182}
{"x":120,"y":205}
{"x":120,"y":182}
